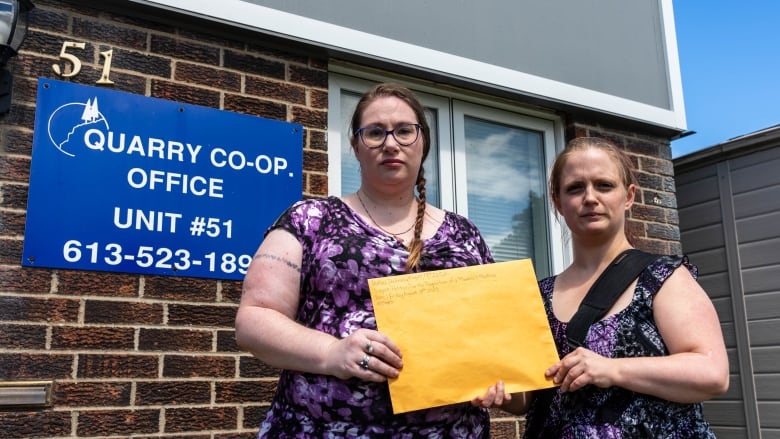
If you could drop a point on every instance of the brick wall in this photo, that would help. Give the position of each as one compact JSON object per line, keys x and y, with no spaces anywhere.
{"x":141,"y":355}
{"x":155,"y":356}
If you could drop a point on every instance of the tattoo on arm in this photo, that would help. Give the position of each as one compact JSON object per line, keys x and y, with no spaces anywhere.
{"x":292,"y":265}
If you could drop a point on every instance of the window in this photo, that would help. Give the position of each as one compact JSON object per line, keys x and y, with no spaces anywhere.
{"x":486,"y":163}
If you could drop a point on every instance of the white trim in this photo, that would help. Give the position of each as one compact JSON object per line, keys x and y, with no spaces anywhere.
{"x":673,"y":61}
{"x":252,"y":16}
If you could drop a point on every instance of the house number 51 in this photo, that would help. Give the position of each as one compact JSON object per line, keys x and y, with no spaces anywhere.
{"x":76,"y":63}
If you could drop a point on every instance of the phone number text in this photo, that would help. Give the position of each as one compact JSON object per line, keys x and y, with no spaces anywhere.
{"x":149,"y":257}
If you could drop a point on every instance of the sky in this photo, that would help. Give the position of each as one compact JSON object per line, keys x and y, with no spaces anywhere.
{"x":729,"y":55}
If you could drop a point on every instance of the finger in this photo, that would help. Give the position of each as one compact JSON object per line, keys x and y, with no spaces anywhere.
{"x":499,"y":397}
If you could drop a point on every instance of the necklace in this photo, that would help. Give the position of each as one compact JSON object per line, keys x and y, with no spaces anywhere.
{"x":397,"y":236}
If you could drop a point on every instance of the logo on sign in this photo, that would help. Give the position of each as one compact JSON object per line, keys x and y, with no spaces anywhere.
{"x":71,"y":121}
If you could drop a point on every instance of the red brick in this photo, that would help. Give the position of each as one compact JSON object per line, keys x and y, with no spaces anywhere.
{"x":207,"y":76}
{"x":202,"y":315}
{"x":43,"y":424}
{"x":12,"y":223}
{"x":110,"y":33}
{"x":184,"y":49}
{"x":226,"y":341}
{"x":35,"y":309}
{"x":184,"y":93}
{"x":317,"y":119}
{"x":172,"y":392}
{"x":24,"y":280}
{"x":13,"y":195}
{"x":250,"y":64}
{"x":183,"y":366}
{"x":275,"y":90}
{"x":255,"y":106}
{"x":244,"y":391}
{"x":117,"y":366}
{"x":180,"y":289}
{"x":315,"y":161}
{"x":308,"y":76}
{"x":25,"y":337}
{"x":200,"y":419}
{"x":91,"y":338}
{"x":251,"y":367}
{"x":115,"y":422}
{"x":35,"y":366}
{"x":91,"y":283}
{"x":90,"y":394}
{"x":14,"y":168}
{"x":115,"y":312}
{"x":254,"y":415}
{"x":175,"y":340}
{"x":231,"y":290}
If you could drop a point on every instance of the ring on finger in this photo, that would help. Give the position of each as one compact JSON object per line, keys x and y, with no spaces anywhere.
{"x":364,"y":362}
{"x":369,"y":347}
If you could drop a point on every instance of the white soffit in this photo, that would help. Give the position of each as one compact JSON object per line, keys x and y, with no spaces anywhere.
{"x":251,"y":16}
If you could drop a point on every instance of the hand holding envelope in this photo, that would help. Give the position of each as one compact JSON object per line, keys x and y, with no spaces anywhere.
{"x":461,"y":330}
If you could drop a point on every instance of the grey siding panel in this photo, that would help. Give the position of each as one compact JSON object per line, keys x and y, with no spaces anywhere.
{"x":758,"y":175}
{"x":732,"y":353}
{"x":746,"y":176}
{"x":694,"y":175}
{"x":715,"y":284}
{"x":766,"y":360}
{"x":763,"y":306}
{"x":734,"y":392}
{"x":729,"y":432}
{"x":728,"y":334}
{"x":725,"y":311}
{"x":755,"y":158}
{"x":758,"y":202}
{"x":725,"y":413}
{"x":698,"y":191}
{"x":769,"y":413}
{"x":757,"y":228}
{"x":710,"y":261}
{"x":765,"y":333}
{"x":699,"y":215}
{"x":760,"y":253}
{"x":767,"y":386}
{"x":703,"y":238}
{"x":763,"y":279}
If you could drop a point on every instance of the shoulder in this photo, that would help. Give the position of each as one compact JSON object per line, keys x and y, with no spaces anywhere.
{"x":306,"y":216}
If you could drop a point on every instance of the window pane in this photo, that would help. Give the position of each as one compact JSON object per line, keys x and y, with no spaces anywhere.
{"x":350,"y":170}
{"x":506,"y":189}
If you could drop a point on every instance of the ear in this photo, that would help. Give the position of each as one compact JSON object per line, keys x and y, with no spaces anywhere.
{"x":630,"y":196}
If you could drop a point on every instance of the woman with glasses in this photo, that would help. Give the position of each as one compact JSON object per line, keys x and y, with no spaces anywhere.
{"x":306,"y":307}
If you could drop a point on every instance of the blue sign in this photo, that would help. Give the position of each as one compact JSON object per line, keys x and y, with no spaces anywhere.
{"x":127,"y":183}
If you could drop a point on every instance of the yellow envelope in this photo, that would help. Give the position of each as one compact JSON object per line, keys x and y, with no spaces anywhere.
{"x":462,"y":329}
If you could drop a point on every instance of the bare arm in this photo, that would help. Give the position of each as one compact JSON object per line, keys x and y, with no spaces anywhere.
{"x":266,"y":326}
{"x":696,"y":369}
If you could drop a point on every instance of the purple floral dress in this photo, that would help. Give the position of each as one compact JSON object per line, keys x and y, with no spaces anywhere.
{"x":615,"y":412}
{"x":340,"y":253}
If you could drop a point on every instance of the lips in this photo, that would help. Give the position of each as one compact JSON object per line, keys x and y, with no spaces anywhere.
{"x":392,"y":162}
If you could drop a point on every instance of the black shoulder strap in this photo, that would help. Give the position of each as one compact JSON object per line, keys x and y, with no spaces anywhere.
{"x":602,"y":295}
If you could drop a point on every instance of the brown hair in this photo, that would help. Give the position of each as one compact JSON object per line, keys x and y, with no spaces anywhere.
{"x":620,"y":158}
{"x":406,"y":95}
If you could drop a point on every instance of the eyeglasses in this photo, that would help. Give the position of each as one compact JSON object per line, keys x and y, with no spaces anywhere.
{"x":374,"y":136}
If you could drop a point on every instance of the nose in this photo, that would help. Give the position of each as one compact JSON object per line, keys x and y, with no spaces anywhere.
{"x":390,"y":142}
{"x":590,"y":194}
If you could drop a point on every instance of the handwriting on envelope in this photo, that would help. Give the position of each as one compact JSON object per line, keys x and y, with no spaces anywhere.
{"x":462,"y":329}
